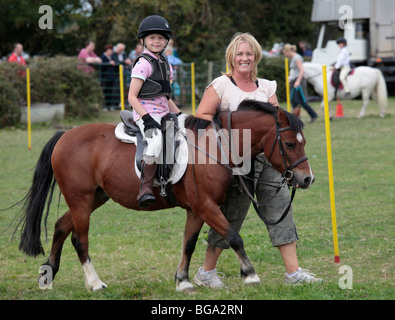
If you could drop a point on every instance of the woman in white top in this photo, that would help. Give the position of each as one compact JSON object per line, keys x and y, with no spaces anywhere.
{"x":227,"y":91}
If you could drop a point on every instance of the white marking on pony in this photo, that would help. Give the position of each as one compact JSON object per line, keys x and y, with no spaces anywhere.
{"x":311,"y":174}
{"x":184,"y":286}
{"x":299,"y":137}
{"x":252,"y":279}
{"x":92,"y":281}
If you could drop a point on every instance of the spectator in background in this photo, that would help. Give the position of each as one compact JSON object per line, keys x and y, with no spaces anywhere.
{"x":88,"y":56}
{"x":107,"y":76}
{"x":173,"y":60}
{"x":175,"y":86}
{"x":175,"y":52}
{"x":306,"y":49}
{"x":120,"y":57}
{"x":17,"y":57}
{"x":136,"y":52}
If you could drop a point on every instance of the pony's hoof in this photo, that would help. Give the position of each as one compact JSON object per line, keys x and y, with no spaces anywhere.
{"x":359,"y":116}
{"x":99,"y":285}
{"x":185,"y":286}
{"x":252,"y":280}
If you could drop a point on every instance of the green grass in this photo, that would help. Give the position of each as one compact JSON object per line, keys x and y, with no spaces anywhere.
{"x":136,"y":253}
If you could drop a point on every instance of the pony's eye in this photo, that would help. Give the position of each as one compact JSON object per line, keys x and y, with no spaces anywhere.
{"x":289,"y":144}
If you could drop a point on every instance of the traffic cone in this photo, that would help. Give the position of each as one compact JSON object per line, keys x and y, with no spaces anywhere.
{"x":339,"y":110}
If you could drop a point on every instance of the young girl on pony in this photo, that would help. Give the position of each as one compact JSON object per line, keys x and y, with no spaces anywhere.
{"x":150,"y":97}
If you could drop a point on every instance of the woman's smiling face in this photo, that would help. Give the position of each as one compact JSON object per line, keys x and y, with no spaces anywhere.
{"x":244,"y":60}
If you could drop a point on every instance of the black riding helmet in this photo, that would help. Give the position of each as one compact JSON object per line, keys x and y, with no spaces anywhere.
{"x":154,"y":24}
{"x":341,"y":40}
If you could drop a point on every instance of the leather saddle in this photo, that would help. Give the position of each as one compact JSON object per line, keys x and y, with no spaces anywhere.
{"x":169,"y":144}
{"x":335,"y":79}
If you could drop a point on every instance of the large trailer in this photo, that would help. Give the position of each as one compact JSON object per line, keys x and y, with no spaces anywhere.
{"x":367,"y":25}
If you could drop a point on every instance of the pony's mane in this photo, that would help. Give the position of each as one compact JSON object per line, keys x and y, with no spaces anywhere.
{"x":251,"y":105}
{"x":194,"y":123}
{"x":295,"y":123}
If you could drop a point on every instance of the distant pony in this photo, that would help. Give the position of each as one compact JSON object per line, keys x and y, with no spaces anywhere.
{"x":365,"y":81}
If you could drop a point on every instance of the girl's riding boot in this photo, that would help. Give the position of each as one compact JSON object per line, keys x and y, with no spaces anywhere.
{"x":145,"y":196}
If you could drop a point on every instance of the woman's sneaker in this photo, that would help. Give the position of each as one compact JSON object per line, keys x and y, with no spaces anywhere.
{"x":301,"y":276}
{"x":210,"y":279}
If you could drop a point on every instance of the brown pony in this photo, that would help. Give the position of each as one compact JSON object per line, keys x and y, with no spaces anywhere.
{"x":81,"y":161}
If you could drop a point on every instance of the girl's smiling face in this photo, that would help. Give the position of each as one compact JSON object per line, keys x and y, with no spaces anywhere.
{"x":244,"y":60}
{"x":155,"y":42}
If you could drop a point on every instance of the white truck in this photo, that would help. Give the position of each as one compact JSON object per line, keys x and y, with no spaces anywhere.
{"x":367,"y":25}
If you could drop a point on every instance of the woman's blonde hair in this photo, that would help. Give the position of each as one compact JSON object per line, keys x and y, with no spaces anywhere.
{"x":289,"y":47}
{"x":231,"y":52}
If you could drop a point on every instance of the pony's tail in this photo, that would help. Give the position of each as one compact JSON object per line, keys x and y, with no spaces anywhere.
{"x":34,"y":201}
{"x":381,"y":92}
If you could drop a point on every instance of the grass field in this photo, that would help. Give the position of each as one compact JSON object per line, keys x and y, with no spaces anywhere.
{"x":136,"y":253}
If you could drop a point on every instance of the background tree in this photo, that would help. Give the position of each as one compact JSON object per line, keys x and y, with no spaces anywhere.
{"x":201,"y":28}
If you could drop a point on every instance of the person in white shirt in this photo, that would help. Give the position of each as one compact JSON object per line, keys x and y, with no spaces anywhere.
{"x":343,"y":63}
{"x":226,"y":93}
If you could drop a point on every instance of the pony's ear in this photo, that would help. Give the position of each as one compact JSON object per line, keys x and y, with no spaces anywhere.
{"x":296,"y":111}
{"x":282,"y":118}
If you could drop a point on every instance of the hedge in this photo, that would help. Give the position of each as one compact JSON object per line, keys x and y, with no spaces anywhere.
{"x":53,"y":80}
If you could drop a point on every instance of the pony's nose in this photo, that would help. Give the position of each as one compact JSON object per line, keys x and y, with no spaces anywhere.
{"x":303,"y":180}
{"x":307,"y":181}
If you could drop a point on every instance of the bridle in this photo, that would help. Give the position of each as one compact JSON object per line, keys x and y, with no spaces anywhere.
{"x":288,"y":175}
{"x":288,"y":168}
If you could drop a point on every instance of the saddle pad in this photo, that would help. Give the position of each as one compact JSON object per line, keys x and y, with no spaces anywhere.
{"x":340,"y":85}
{"x":181,"y":156}
{"x":122,"y":136}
